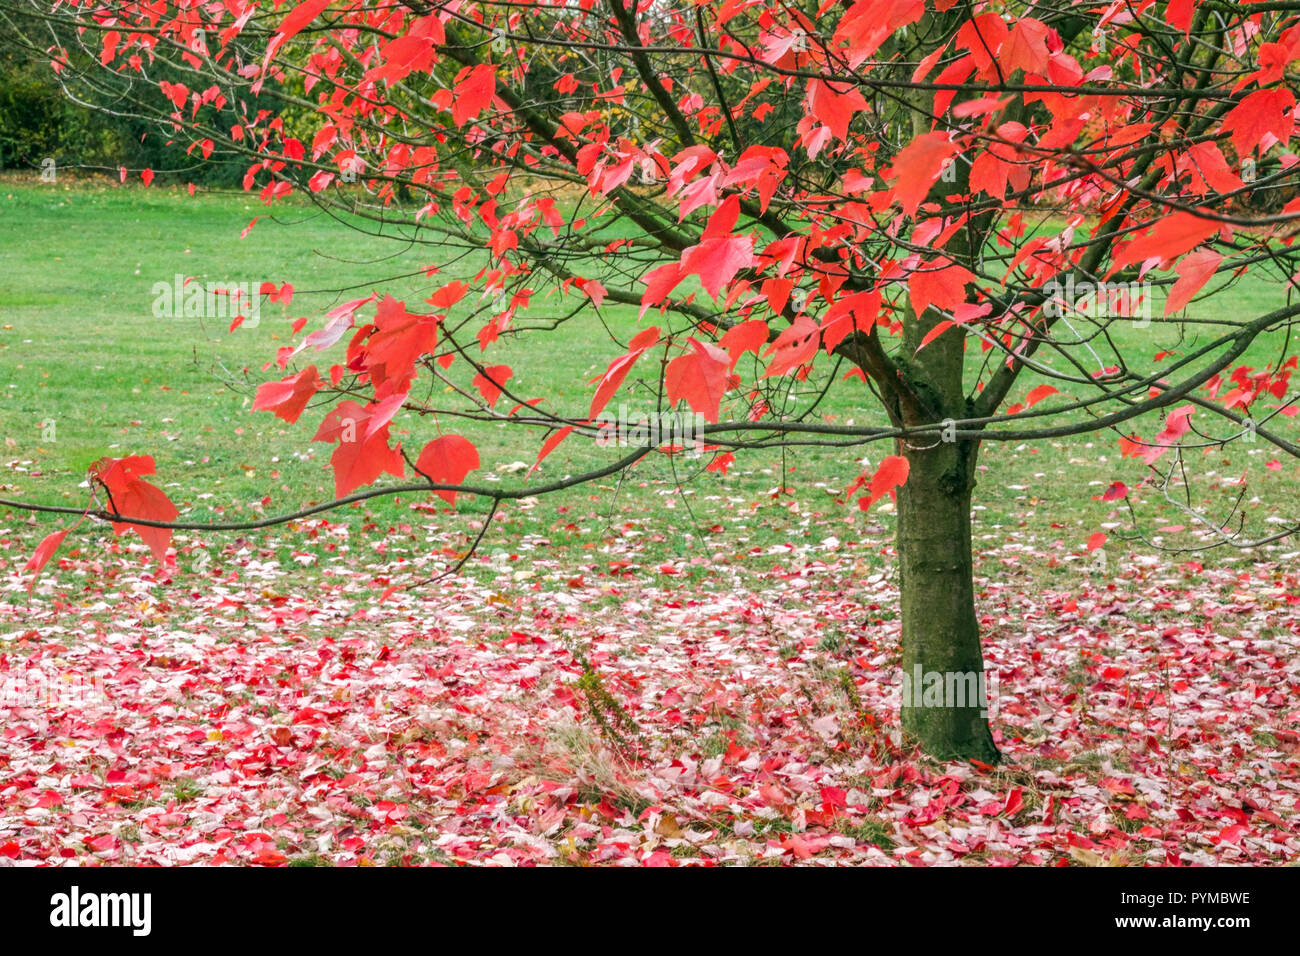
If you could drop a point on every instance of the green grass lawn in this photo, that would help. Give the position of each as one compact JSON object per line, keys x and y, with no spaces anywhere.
{"x":80,"y":347}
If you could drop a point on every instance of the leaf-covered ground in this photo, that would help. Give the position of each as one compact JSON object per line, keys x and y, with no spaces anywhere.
{"x":351,"y":712}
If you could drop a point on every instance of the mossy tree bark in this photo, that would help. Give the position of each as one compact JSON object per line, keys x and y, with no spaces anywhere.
{"x":941,"y":638}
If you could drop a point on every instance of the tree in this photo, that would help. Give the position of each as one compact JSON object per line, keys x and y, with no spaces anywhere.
{"x":42,"y":128}
{"x":947,"y":198}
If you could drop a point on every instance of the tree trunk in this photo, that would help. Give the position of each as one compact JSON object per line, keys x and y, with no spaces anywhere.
{"x":944,"y":706}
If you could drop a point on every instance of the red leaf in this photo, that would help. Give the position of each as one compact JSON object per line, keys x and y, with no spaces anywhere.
{"x":934,"y":283}
{"x":1176,"y":426}
{"x":854,"y":313}
{"x":721,"y":463}
{"x":935,"y":332}
{"x":1260,"y":113}
{"x":382,"y":412}
{"x":1178,"y":14}
{"x":618,"y":369}
{"x":135,"y":498}
{"x":717,"y":260}
{"x":446,"y":461}
{"x":399,"y":340}
{"x":869,"y":23}
{"x":833,"y":105}
{"x":917,"y":166}
{"x":283,"y":294}
{"x":748,"y":336}
{"x":101,"y":844}
{"x":448,"y":295}
{"x":1172,"y":236}
{"x":473,"y":93}
{"x":658,"y":283}
{"x":794,"y":347}
{"x":299,"y":17}
{"x":358,"y":463}
{"x":1036,"y":395}
{"x":981,"y":36}
{"x":362,"y":454}
{"x":891,"y":474}
{"x":1130,"y":446}
{"x":1096,"y":541}
{"x":490,"y":384}
{"x":1014,"y":802}
{"x":723,"y":220}
{"x":1026,"y":48}
{"x":111,"y":40}
{"x":1115,"y":492}
{"x":1194,"y":270}
{"x":550,"y":445}
{"x":1233,"y":833}
{"x":287,"y":398}
{"x":44,"y":551}
{"x":700,"y":377}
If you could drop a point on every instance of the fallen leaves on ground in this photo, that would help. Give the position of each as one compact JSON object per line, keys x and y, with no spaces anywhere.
{"x":256,"y":714}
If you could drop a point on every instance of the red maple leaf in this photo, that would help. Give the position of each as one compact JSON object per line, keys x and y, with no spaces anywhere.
{"x":548,"y":446}
{"x":1194,"y":270}
{"x":749,"y":336}
{"x":473,"y":93}
{"x":362,"y":454}
{"x":833,"y":105}
{"x":700,"y":377}
{"x":851,"y":314}
{"x":917,"y":166}
{"x":938,"y":282}
{"x":659,"y":282}
{"x":618,"y":369}
{"x":891,"y":474}
{"x":794,"y":347}
{"x":1026,"y":48}
{"x":287,"y":398}
{"x":131,"y":496}
{"x":1171,"y":237}
{"x":44,"y":551}
{"x":399,"y":340}
{"x":358,"y":463}
{"x":446,"y":461}
{"x":491,"y":381}
{"x":1260,"y":113}
{"x":1039,"y":393}
{"x":717,"y":260}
